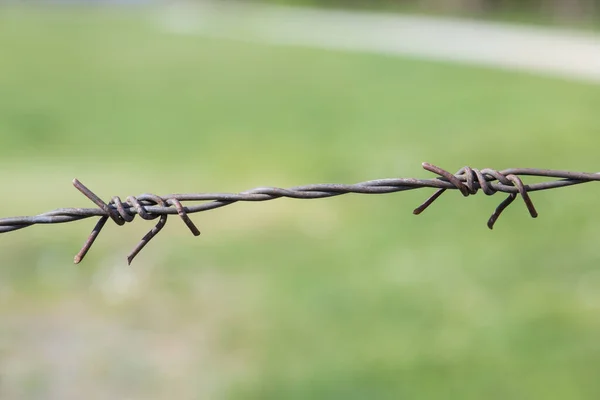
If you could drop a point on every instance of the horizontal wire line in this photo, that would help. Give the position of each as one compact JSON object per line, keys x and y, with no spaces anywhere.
{"x":148,"y":206}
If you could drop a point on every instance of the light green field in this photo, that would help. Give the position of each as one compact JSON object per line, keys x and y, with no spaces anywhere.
{"x":351,"y":297}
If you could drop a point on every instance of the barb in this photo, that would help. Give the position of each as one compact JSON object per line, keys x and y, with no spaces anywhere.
{"x":148,"y":206}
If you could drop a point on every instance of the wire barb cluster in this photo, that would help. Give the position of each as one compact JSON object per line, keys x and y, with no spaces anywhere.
{"x":149,"y":206}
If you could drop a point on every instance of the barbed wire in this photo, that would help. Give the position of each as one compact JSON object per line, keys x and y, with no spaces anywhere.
{"x":149,"y":206}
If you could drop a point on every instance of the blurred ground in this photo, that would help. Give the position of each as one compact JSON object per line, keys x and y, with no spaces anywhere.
{"x":350,"y":297}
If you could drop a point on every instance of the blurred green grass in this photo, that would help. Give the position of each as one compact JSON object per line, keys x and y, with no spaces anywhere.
{"x":350,"y":297}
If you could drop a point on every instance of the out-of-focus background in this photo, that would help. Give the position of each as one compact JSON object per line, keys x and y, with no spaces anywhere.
{"x":557,"y":12}
{"x":349,"y":297}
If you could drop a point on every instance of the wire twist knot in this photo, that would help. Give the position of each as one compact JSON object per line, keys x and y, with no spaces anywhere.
{"x":121,"y":212}
{"x":469,"y":180}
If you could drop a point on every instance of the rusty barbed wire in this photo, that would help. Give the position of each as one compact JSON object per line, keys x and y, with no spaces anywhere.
{"x":149,"y":206}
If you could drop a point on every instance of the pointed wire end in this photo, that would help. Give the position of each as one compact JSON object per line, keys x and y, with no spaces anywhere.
{"x":77,"y":259}
{"x":76,"y":182}
{"x":135,"y":251}
{"x":193,"y":228}
{"x":532,"y":211}
{"x":501,"y":207}
{"x":494,"y":217}
{"x":184,"y":217}
{"x":428,"y":202}
{"x":429,"y":167}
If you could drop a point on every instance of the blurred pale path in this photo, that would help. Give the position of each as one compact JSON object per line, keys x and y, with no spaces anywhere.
{"x":553,"y":52}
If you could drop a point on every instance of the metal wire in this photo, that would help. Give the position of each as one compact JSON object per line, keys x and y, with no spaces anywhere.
{"x":148,"y":206}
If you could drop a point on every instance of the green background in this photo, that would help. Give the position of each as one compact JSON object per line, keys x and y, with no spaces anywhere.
{"x":350,"y":297}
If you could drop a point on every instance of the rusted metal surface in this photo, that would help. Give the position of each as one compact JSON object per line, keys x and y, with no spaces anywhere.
{"x":148,"y":206}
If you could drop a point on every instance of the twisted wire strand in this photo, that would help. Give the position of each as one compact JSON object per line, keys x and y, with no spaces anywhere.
{"x":149,"y":206}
